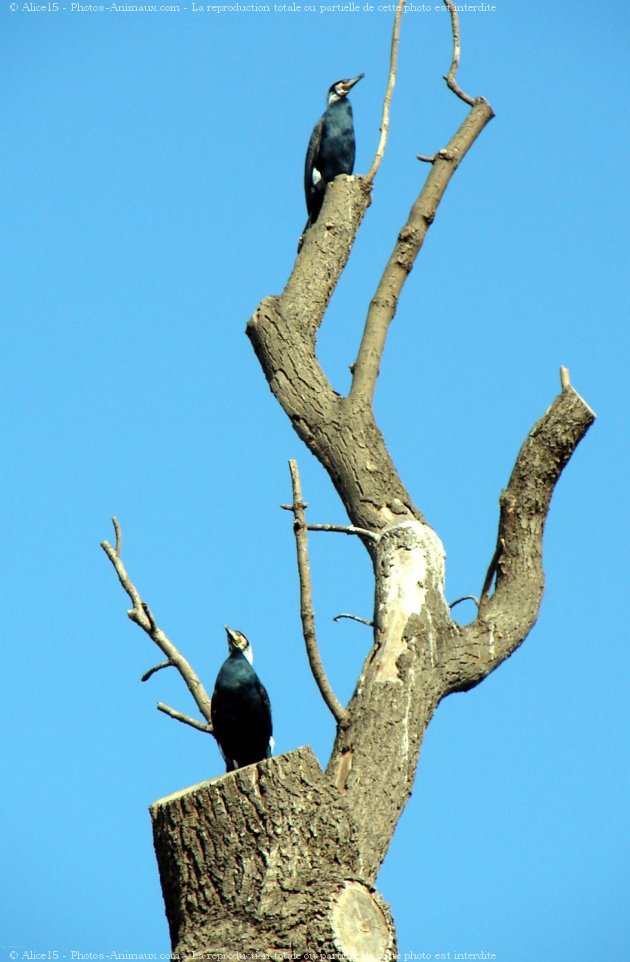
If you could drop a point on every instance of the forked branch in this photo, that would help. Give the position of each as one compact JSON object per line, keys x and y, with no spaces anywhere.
{"x":306,"y":599}
{"x":142,"y":616}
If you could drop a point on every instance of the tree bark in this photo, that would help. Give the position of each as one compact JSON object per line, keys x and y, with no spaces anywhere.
{"x":265,"y":862}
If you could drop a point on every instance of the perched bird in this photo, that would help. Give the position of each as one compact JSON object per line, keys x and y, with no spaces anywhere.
{"x":241,"y":713}
{"x":331,"y":148}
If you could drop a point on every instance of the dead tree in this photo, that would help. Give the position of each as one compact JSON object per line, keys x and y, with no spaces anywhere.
{"x":279,"y":860}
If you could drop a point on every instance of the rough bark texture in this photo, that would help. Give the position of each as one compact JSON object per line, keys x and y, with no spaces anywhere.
{"x":279,"y":858}
{"x":266,"y":860}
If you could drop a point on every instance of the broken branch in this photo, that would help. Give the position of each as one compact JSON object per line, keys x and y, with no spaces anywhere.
{"x":152,"y":671}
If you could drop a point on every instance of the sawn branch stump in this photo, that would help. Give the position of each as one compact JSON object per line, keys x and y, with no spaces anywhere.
{"x":264,"y":862}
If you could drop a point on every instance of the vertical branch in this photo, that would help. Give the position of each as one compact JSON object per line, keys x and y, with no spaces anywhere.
{"x":450,"y":76}
{"x":391,"y":81}
{"x":306,"y":598}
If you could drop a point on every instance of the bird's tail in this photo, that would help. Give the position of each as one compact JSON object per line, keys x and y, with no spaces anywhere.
{"x":314,"y":203}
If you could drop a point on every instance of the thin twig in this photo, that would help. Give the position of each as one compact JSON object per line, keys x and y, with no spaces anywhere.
{"x":306,"y":599}
{"x":149,"y":615}
{"x":443,"y":154}
{"x":464,"y":598}
{"x":344,"y":529}
{"x":565,"y":378}
{"x":450,"y":76}
{"x":152,"y":671}
{"x":340,"y":528}
{"x":142,"y":616}
{"x":391,"y":80}
{"x":186,"y":719}
{"x":118,"y":533}
{"x":363,"y":621}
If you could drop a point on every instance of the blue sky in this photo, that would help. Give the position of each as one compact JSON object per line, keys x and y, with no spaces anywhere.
{"x":152,"y":169}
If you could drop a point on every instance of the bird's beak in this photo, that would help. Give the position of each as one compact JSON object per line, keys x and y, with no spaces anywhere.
{"x":349,"y":84}
{"x":229,"y":632}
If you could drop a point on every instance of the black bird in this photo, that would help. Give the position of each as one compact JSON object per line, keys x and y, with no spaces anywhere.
{"x":241,"y":713}
{"x":331,"y":147}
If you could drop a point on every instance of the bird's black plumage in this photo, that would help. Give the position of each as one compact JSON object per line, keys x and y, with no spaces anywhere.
{"x":331,"y":148}
{"x":240,"y":708}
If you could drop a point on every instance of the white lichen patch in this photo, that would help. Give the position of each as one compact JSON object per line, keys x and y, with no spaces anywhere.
{"x":410,"y":563}
{"x":491,"y":648}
